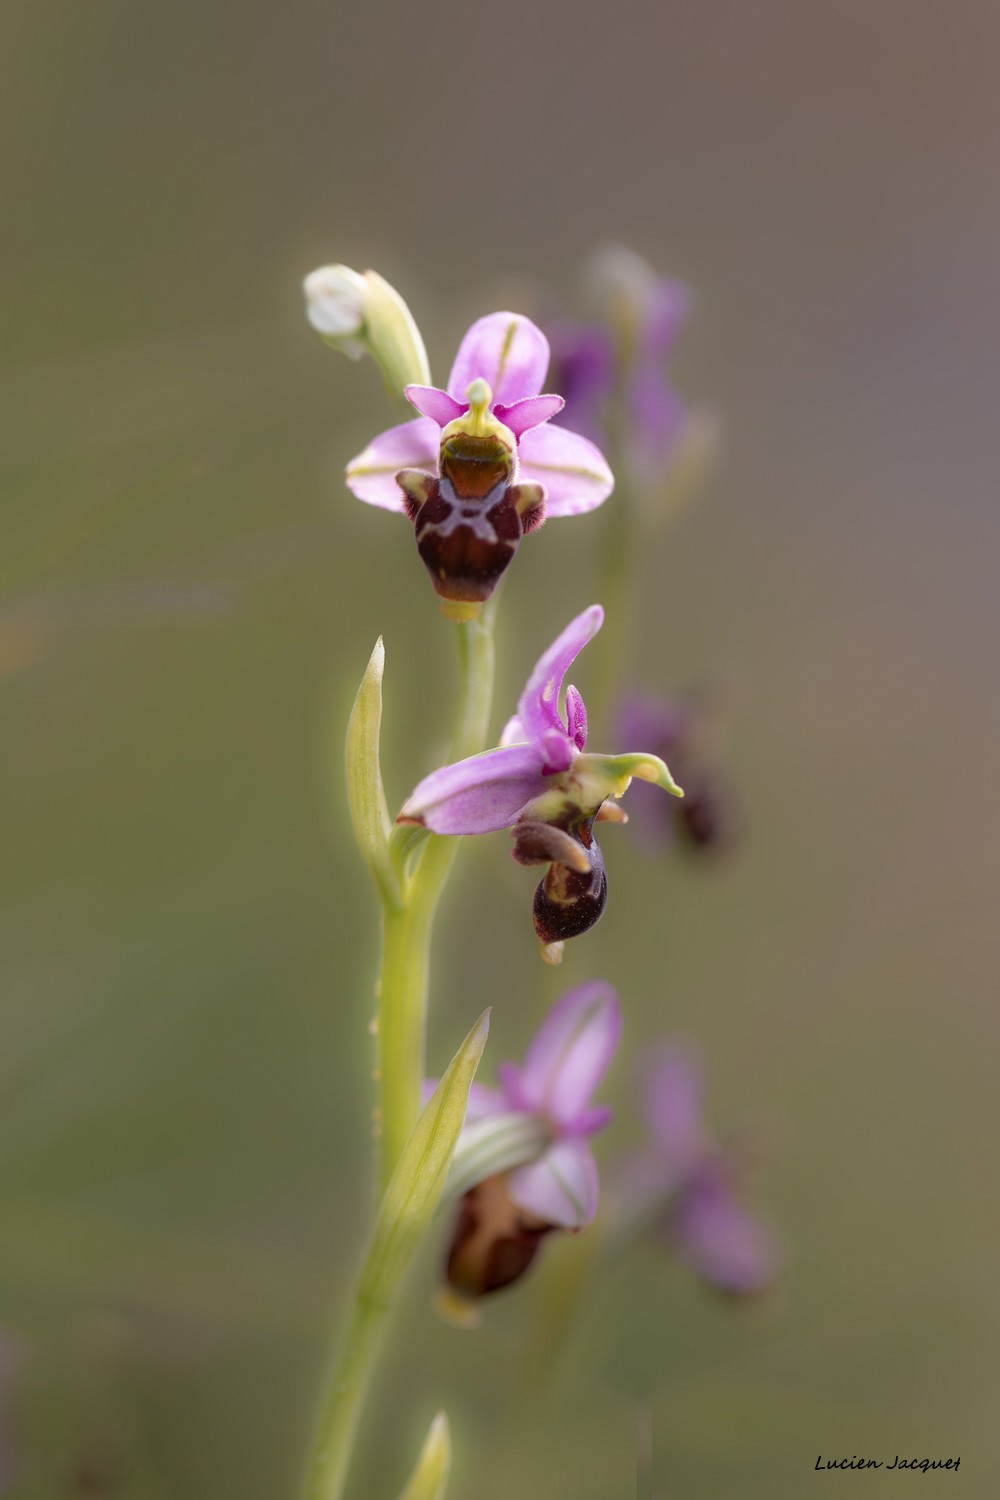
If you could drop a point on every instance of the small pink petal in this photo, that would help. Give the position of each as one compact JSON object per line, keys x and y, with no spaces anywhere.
{"x":561,"y":1187}
{"x":557,"y":751}
{"x":477,"y":795}
{"x":512,"y":1087}
{"x":590,"y":1121}
{"x":575,"y":473}
{"x":514,"y":732}
{"x":719,"y":1239}
{"x":538,"y":706}
{"x":571,"y":1052}
{"x":576,"y":717}
{"x":531,"y":412}
{"x":437,"y":405}
{"x":506,"y":350}
{"x":483,"y":1100}
{"x":372,"y":475}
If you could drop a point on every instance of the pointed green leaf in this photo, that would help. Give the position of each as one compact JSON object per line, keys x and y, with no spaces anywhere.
{"x":365,"y":793}
{"x":420,"y":1176}
{"x":430,"y":1476}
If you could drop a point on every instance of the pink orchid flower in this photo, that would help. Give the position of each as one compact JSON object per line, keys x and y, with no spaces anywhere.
{"x":480,"y":467}
{"x":542,"y":782}
{"x":692,"y":1184}
{"x":503,"y":1217}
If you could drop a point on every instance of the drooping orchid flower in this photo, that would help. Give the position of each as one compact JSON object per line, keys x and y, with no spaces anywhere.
{"x":542,"y":783}
{"x":479,"y":468}
{"x":505,"y":1214}
{"x":688,"y":1185}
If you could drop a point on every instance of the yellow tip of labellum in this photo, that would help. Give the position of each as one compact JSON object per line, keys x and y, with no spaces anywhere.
{"x":460,"y":1312}
{"x":552,"y":953}
{"x":460,"y":610}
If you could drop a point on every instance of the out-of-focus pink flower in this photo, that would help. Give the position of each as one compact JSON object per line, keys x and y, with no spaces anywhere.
{"x":615,"y":372}
{"x":503,"y":1217}
{"x":583,"y":367}
{"x":690,"y":1185}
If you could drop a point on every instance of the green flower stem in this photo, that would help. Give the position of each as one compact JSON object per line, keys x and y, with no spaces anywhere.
{"x":401,"y":995}
{"x":346,"y":1398}
{"x":406,"y":1209}
{"x":407,"y":929}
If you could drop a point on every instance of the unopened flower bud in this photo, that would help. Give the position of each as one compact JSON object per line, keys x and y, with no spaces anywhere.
{"x":362,"y":314}
{"x":335,"y":306}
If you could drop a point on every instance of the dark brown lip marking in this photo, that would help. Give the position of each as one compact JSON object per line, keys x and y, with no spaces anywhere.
{"x":573,"y":893}
{"x":494,"y":1241}
{"x":466,"y":544}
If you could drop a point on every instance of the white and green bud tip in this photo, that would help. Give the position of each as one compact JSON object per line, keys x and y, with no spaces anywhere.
{"x":360,"y":313}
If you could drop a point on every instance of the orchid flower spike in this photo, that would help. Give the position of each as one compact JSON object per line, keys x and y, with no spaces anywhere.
{"x":688,"y":1185}
{"x":552,"y":1183}
{"x":542,"y":783}
{"x":479,"y":468}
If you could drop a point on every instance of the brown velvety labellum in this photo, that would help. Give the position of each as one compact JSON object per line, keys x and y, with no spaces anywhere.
{"x":568,"y":902}
{"x":494,"y":1241}
{"x":466,"y":544}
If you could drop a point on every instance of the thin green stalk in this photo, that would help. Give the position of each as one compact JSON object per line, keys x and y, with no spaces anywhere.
{"x":404,"y":972}
{"x":345,"y":1400}
{"x":407,"y":929}
{"x":405,"y":1211}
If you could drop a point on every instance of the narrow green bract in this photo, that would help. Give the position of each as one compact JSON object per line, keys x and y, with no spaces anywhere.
{"x":406,"y":1211}
{"x":430,"y":1476}
{"x":420,"y":1176}
{"x":365,"y":792}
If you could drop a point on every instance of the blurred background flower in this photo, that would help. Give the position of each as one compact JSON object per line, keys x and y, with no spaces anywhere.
{"x":687,"y":1186}
{"x":680,"y":731}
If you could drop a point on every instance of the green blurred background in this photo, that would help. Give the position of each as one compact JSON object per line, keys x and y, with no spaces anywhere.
{"x":190,"y":595}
